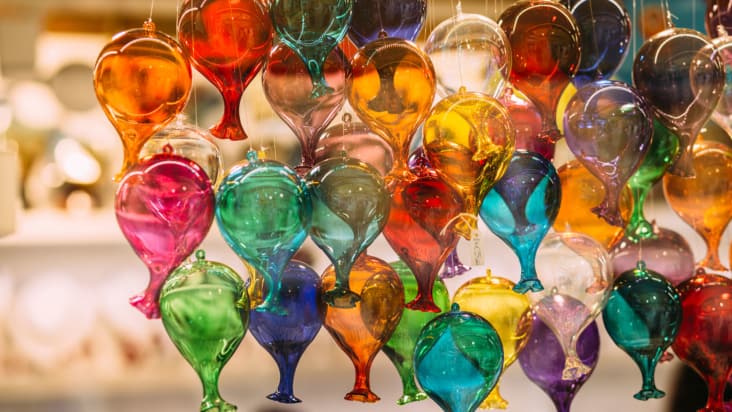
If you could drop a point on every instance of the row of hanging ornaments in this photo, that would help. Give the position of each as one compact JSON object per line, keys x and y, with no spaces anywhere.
{"x":486,"y":151}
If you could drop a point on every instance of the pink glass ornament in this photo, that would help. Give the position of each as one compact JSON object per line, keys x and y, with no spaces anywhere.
{"x":164,"y":207}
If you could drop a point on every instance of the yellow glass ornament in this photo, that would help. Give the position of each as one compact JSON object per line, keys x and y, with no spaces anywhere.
{"x":391,"y":89}
{"x":509,"y":312}
{"x":581,"y":191}
{"x":705,"y":200}
{"x":469,"y":140}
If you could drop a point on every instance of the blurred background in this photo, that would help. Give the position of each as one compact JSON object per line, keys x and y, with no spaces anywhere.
{"x":68,"y":339}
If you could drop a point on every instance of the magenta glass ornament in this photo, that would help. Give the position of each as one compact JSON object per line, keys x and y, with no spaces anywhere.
{"x":526,"y":120}
{"x":542,"y":360}
{"x":608,"y":126}
{"x":289,"y":90}
{"x":164,"y":207}
{"x":682,"y":84}
{"x":666,"y":253}
{"x":357,"y":141}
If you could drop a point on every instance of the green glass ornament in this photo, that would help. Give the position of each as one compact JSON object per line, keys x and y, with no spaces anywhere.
{"x":458,"y":359}
{"x":205,"y":311}
{"x":263,"y":211}
{"x":642,"y":317}
{"x":400,"y":348}
{"x":663,"y":150}
{"x":350,"y":208}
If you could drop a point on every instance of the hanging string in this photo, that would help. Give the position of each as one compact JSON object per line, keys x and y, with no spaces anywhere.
{"x":152,"y":6}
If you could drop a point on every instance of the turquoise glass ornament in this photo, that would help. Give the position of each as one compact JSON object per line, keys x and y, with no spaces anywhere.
{"x":263,"y":211}
{"x":458,"y":360}
{"x":350,"y":208}
{"x":205,"y":311}
{"x":312,"y":29}
{"x":521,"y":208}
{"x":642,"y":317}
{"x":400,"y":347}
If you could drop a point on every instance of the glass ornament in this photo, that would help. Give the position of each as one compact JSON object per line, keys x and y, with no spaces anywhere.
{"x":605,"y":30}
{"x":575,"y":272}
{"x":423,"y":211}
{"x":205,"y":311}
{"x":227,"y":42}
{"x":493,"y":298}
{"x":642,"y":317}
{"x":400,"y":347}
{"x":458,"y":360}
{"x":470,"y":51}
{"x":704,"y":202}
{"x":357,"y":141}
{"x":469,"y":140}
{"x":608,"y":127}
{"x":289,"y":90}
{"x":264,"y":212}
{"x":521,"y":208}
{"x":350,"y":209}
{"x":312,"y":29}
{"x":164,"y":207}
{"x":543,"y":360}
{"x":682,"y":84}
{"x":545,"y":48}
{"x":286,"y":333}
{"x":186,"y":140}
{"x":391,"y":90}
{"x":396,"y":18}
{"x":527,"y":123}
{"x":580,"y":192}
{"x":142,"y":80}
{"x":362,"y":330}
{"x":666,"y":253}
{"x":663,"y":150}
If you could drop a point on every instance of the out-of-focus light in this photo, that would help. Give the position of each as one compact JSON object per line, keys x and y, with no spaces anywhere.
{"x":35,"y":106}
{"x":76,"y":163}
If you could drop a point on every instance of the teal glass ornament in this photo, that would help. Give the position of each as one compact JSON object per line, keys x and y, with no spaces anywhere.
{"x":263,"y":211}
{"x":663,"y":150}
{"x":400,"y":347}
{"x":205,"y":311}
{"x":521,"y":208}
{"x":312,"y":29}
{"x":642,"y":316}
{"x":458,"y":360}
{"x":350,"y":208}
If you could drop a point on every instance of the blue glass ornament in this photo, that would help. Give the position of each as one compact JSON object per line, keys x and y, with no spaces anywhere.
{"x":521,"y":208}
{"x":286,"y":333}
{"x":458,"y":360}
{"x":396,"y":18}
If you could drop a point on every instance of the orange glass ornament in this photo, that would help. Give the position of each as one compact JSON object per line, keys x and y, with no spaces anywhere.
{"x":581,"y":191}
{"x":704,"y":202}
{"x":391,"y":89}
{"x":227,"y":41}
{"x":469,"y":139}
{"x":142,"y":80}
{"x":362,"y":330}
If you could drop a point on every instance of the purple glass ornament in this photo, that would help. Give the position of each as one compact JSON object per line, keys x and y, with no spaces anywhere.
{"x":542,"y":360}
{"x":396,"y":18}
{"x":286,"y":333}
{"x":608,"y":126}
{"x":356,"y":140}
{"x":666,"y":253}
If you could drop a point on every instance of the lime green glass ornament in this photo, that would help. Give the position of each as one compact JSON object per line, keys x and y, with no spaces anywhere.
{"x":663,"y":150}
{"x":400,"y":348}
{"x":458,"y":359}
{"x":350,"y":208}
{"x":263,"y":211}
{"x":205,"y":311}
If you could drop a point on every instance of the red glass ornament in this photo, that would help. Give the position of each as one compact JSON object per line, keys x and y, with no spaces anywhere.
{"x":227,"y":41}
